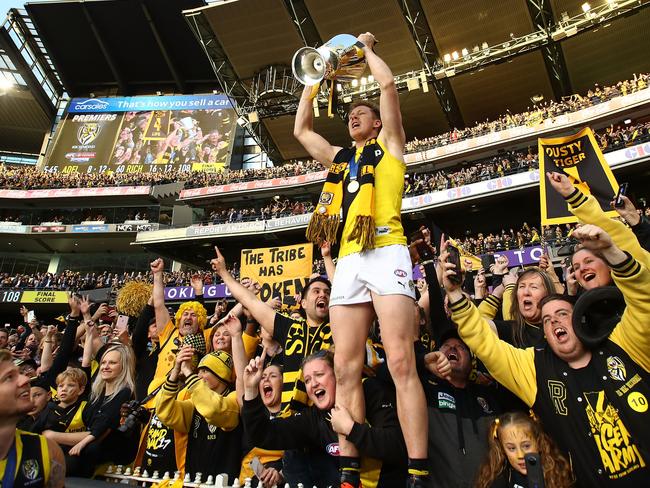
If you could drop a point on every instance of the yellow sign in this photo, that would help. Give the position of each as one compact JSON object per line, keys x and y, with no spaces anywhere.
{"x":281,"y":271}
{"x":44,"y":297}
{"x":209,"y":167}
{"x":579,"y":157}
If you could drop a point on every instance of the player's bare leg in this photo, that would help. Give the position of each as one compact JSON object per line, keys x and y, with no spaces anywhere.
{"x":350,"y":325}
{"x":395,"y":313}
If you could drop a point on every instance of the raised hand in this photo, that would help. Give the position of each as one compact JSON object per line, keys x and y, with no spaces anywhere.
{"x":219,"y":263}
{"x":232,"y":324}
{"x":325,"y":249}
{"x":592,"y":237}
{"x":84,"y":306}
{"x":560,"y":183}
{"x":157,"y":266}
{"x":73,"y":302}
{"x":447,"y":269}
{"x":627,"y":211}
{"x":196,"y":281}
{"x":253,"y":376}
{"x":367,"y":39}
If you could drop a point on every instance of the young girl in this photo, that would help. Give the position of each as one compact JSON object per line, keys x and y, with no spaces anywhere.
{"x":513,"y":435}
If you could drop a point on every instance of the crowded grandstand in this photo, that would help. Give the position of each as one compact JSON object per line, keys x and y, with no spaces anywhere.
{"x":380,"y":260}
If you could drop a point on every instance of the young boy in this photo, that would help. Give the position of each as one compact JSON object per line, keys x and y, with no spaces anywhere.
{"x":66,"y":415}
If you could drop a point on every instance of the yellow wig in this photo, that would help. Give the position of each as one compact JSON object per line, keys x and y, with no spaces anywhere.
{"x":199,"y":310}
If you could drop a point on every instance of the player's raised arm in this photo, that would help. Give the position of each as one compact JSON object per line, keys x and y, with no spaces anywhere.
{"x":391,"y":117}
{"x":303,"y":130}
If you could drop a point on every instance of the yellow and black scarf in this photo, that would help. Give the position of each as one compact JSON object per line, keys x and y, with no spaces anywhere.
{"x":325,"y":221}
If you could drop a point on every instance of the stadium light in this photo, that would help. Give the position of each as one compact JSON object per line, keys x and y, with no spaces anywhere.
{"x":412,"y":84}
{"x":371,"y":79}
{"x":586,"y":7}
{"x":464,"y":52}
{"x":455,"y":56}
{"x":253,"y":117}
{"x":355,"y":83}
{"x":5,"y":83}
{"x":364,"y":80}
{"x":447,"y":58}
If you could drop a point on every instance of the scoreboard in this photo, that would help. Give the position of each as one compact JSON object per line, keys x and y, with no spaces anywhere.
{"x":154,"y":134}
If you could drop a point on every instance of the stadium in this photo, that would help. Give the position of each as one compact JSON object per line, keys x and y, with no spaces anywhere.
{"x":137,"y":130}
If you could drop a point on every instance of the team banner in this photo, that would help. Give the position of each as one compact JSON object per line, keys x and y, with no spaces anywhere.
{"x":144,"y":134}
{"x":282,"y":271}
{"x":579,"y":157}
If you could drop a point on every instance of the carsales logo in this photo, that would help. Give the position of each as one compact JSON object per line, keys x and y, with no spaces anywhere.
{"x":91,"y":104}
{"x":333,"y":449}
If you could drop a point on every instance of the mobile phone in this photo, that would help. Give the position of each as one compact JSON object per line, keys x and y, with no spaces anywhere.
{"x":454,"y":258}
{"x":534,"y":471}
{"x":486,"y":261}
{"x":622,"y":190}
{"x":257,"y":466}
{"x":122,"y":322}
{"x":31,"y":315}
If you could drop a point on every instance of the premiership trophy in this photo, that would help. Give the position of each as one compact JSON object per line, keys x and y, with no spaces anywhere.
{"x":340,"y":58}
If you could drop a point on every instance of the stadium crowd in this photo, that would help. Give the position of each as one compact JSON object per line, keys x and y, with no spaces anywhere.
{"x":22,"y":178}
{"x":519,"y":377}
{"x":230,"y":394}
{"x":534,"y":115}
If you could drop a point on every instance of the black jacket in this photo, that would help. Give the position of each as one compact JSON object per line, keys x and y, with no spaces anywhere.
{"x":311,"y":428}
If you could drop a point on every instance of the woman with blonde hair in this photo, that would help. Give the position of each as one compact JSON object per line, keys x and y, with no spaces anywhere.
{"x":513,"y":435}
{"x":113,"y":386}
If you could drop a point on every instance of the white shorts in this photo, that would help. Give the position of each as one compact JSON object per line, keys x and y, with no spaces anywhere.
{"x":384,"y":271}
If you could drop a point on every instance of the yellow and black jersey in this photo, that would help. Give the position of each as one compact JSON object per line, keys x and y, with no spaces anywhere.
{"x":30,"y":458}
{"x":298,"y":341}
{"x":389,"y":185}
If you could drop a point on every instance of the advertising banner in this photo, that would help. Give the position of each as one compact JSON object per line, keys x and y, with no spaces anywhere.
{"x":8,"y":228}
{"x":39,"y":229}
{"x":136,"y":227}
{"x":144,"y":134}
{"x":44,"y":296}
{"x":522,"y":257}
{"x":90,"y":228}
{"x":282,"y":271}
{"x":230,"y":228}
{"x":187,"y":292}
{"x":76,"y":192}
{"x":315,"y":176}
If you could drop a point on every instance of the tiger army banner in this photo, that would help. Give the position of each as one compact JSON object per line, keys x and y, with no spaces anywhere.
{"x":144,"y":134}
{"x":579,"y":157}
{"x":281,"y":271}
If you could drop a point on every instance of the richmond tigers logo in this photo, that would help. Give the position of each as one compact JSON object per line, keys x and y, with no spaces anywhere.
{"x":88,"y":132}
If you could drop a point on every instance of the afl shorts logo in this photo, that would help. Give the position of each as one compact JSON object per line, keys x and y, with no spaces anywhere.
{"x":326,"y":198}
{"x":400,"y":272}
{"x":332,"y":449}
{"x":88,"y":132}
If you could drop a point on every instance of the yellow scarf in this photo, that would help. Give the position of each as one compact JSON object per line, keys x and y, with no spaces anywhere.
{"x":325,"y":221}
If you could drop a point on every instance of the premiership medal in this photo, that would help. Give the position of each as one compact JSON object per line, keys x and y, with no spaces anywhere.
{"x":353,"y":186}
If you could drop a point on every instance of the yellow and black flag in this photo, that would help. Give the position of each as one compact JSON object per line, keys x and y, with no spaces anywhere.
{"x":579,"y":157}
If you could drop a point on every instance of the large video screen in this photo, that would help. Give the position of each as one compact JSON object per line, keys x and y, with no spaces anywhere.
{"x":144,"y":134}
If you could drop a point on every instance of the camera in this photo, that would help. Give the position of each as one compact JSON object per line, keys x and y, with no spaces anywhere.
{"x":136,"y":414}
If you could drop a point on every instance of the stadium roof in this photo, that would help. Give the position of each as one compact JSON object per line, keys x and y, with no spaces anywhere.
{"x":28,"y":101}
{"x":120,"y":47}
{"x":123,"y":47}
